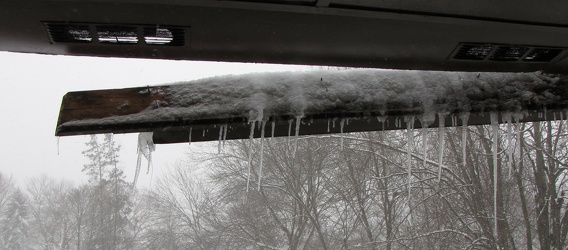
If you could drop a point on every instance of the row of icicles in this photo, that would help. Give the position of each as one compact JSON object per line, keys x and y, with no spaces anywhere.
{"x":146,"y":145}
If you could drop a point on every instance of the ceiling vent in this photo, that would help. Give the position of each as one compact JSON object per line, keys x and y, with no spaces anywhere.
{"x":69,"y":33}
{"x":474,"y":51}
{"x":116,"y":34}
{"x":506,"y":53}
{"x":542,"y":55}
{"x":163,"y":35}
{"x":509,"y":53}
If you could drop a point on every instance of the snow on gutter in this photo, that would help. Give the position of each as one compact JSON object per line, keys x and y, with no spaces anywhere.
{"x":383,"y":97}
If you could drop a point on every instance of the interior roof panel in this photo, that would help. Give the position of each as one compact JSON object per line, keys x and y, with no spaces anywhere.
{"x":526,"y":11}
{"x":324,"y":33}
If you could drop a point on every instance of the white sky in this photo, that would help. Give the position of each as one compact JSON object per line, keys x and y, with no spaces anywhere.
{"x":32,"y":88}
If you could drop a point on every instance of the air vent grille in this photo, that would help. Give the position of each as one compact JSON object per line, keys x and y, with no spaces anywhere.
{"x":117,"y":34}
{"x":542,"y":55}
{"x":69,"y":33}
{"x":509,"y":53}
{"x":474,"y":52}
{"x":173,"y":36}
{"x":154,"y":35}
{"x":506,"y":53}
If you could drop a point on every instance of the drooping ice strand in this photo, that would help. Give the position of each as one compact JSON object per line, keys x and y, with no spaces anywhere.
{"x":273,"y":128}
{"x":57,"y":145}
{"x":298,"y":121}
{"x":409,"y":142}
{"x":289,"y":130}
{"x":341,"y":124}
{"x":426,"y":120}
{"x":507,"y":117}
{"x":190,"y":130}
{"x":261,"y":152}
{"x":251,"y":135}
{"x":464,"y":116}
{"x":441,"y":135}
{"x":221,"y":129}
{"x":495,"y":128}
{"x":145,"y":148}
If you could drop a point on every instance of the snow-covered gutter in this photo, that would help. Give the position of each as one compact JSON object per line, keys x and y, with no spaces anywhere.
{"x":323,"y":102}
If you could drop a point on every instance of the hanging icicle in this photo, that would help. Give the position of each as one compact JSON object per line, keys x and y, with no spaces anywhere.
{"x":190,"y":130}
{"x":409,"y":144}
{"x":464,"y":116}
{"x":426,"y":119}
{"x":508,"y":120}
{"x":297,"y":133}
{"x":273,"y":128}
{"x":261,"y":152}
{"x":382,"y":119}
{"x":341,"y":124}
{"x":222,"y":136}
{"x":495,"y":128}
{"x":58,"y":145}
{"x":289,"y":129}
{"x":145,"y":148}
{"x":566,"y":121}
{"x":225,"y":134}
{"x":251,"y":135}
{"x":441,"y":136}
{"x":424,"y":143}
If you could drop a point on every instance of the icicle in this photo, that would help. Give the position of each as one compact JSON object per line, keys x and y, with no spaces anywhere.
{"x":222,"y":132}
{"x":333,"y":122}
{"x":509,"y":143}
{"x":409,"y":142}
{"x":495,"y":128}
{"x":225,"y":135}
{"x":328,"y":125}
{"x":382,"y":120}
{"x":289,"y":130}
{"x":273,"y":128}
{"x":58,"y":145}
{"x":424,"y":143}
{"x":465,"y":118}
{"x":251,"y":135}
{"x":145,"y":148}
{"x":190,"y":130}
{"x":441,"y":136}
{"x":203,"y":135}
{"x":220,"y":141}
{"x":453,"y":120}
{"x":298,"y":121}
{"x":137,"y":171}
{"x":519,"y":142}
{"x":261,"y":152}
{"x":566,"y":120}
{"x":341,"y":133}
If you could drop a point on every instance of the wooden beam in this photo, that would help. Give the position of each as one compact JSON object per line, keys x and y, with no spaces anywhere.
{"x":144,"y":110}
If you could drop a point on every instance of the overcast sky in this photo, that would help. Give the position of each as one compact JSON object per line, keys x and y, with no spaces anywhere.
{"x":33,"y":86}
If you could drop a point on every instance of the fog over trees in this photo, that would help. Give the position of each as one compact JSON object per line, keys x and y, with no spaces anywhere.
{"x":373,"y":190}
